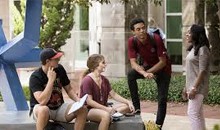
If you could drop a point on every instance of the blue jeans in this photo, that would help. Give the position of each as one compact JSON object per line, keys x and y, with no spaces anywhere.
{"x":162,"y":81}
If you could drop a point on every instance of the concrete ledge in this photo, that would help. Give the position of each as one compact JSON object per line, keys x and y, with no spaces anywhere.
{"x":16,"y":120}
{"x":127,"y":123}
{"x":19,"y":120}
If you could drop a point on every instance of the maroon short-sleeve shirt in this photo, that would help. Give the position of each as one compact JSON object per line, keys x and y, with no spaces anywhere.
{"x":90,"y":87}
{"x":148,"y":52}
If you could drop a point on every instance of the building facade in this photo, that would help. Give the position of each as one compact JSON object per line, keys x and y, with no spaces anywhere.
{"x":108,"y":33}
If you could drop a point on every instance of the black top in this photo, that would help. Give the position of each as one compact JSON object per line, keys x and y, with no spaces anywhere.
{"x":38,"y":82}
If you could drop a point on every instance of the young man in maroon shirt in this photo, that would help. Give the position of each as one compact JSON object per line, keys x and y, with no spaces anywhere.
{"x":155,"y":65}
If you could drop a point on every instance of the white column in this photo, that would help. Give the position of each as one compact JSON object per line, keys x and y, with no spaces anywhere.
{"x":94,"y":27}
{"x":113,"y":38}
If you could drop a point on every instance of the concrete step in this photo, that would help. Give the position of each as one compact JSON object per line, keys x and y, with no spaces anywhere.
{"x":20,"y":120}
{"x":127,"y":123}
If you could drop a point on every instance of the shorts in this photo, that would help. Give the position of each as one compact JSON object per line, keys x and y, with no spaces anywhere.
{"x":55,"y":115}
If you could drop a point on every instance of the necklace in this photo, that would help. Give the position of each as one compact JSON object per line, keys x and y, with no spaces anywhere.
{"x":97,"y":78}
{"x":98,"y":81}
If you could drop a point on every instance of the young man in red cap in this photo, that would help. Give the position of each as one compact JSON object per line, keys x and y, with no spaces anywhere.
{"x":46,"y":100}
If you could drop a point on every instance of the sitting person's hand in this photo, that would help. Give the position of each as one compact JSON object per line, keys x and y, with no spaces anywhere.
{"x":110,"y":110}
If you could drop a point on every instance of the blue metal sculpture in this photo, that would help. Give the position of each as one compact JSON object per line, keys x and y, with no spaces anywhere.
{"x":19,"y":52}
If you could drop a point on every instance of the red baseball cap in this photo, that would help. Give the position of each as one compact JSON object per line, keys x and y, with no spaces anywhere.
{"x":49,"y":53}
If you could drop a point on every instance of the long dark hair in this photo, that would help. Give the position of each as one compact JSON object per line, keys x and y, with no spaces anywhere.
{"x":199,"y":38}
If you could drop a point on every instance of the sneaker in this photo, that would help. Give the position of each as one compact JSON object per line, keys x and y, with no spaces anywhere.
{"x":159,"y":127}
{"x":137,"y":112}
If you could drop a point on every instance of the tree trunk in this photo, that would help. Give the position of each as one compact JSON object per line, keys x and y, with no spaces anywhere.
{"x":212,"y":23}
{"x":199,"y":12}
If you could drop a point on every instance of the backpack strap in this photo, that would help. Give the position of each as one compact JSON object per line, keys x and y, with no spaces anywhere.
{"x":152,"y":40}
{"x":134,"y":42}
{"x":140,"y":60}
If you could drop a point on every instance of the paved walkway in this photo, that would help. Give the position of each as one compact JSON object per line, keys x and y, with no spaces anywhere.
{"x":172,"y":122}
{"x":178,"y":122}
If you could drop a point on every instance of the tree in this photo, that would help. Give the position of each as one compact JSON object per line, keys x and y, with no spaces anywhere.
{"x":57,"y":22}
{"x":199,"y":12}
{"x":18,"y":21}
{"x":212,"y":23}
{"x":206,"y":13}
{"x":57,"y":19}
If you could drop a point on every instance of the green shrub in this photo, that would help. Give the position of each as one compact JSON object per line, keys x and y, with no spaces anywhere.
{"x":177,"y":83}
{"x":214,"y":90}
{"x":121,"y":87}
{"x":216,"y":127}
{"x":26,"y":93}
{"x":148,"y":89}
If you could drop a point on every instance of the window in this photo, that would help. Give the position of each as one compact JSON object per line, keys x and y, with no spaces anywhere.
{"x":81,"y":36}
{"x":175,"y":52}
{"x":173,"y":30}
{"x":83,"y":46}
{"x":174,"y":6}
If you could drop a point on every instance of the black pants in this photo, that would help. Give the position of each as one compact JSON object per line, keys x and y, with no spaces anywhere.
{"x":162,"y":81}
